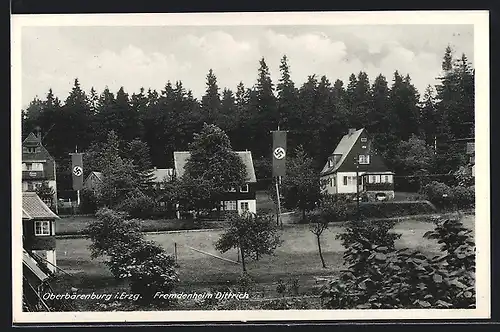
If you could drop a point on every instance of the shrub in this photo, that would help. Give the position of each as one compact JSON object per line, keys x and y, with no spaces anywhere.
{"x":463,"y":197}
{"x":379,"y":276}
{"x":439,"y":194}
{"x":88,"y":202}
{"x":245,"y":282}
{"x":111,"y":229}
{"x":388,"y":209}
{"x":148,"y":267}
{"x":138,"y":205}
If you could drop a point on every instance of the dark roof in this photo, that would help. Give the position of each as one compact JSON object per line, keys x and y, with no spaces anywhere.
{"x":345,"y":145}
{"x":35,"y":208}
{"x":41,"y":154}
{"x":181,"y":158}
{"x":349,"y":148}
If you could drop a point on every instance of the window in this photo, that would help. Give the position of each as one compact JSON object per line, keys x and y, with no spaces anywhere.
{"x":363,"y":139}
{"x":363,"y":146}
{"x":42,"y":228}
{"x":162,"y":185}
{"x":31,"y":150}
{"x":345,"y":180}
{"x":330,"y":162}
{"x":230,"y":205}
{"x":244,"y":189}
{"x":232,"y":190}
{"x":244,"y":206}
{"x":24,"y":167}
{"x":332,"y":182}
{"x":372,"y":178}
{"x":363,"y":159}
{"x":386,"y":178}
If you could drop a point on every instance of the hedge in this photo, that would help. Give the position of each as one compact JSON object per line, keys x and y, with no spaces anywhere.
{"x":373,"y":210}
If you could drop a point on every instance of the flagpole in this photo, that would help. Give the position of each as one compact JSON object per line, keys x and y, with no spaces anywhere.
{"x":78,"y":191}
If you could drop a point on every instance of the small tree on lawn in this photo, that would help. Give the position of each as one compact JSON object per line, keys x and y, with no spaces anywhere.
{"x":301,"y":186}
{"x":252,"y":234}
{"x":331,"y":209}
{"x":317,"y":226}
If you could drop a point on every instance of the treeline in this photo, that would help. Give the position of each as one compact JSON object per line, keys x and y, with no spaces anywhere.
{"x":316,"y":114}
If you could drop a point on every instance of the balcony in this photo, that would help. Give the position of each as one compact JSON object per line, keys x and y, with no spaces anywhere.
{"x":382,"y":186}
{"x":33,"y":175}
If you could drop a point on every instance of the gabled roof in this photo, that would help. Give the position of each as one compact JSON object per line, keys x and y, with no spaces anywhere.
{"x":98,"y":175}
{"x":181,"y":158}
{"x":35,"y":208}
{"x":41,"y":154}
{"x":345,"y":145}
{"x":160,"y":174}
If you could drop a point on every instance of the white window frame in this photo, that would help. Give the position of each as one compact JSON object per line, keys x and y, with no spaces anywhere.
{"x":244,"y":188}
{"x":42,"y":228}
{"x":363,"y":159}
{"x":37,"y":167}
{"x":246,"y":208}
{"x":364,"y":139}
{"x":231,"y":205}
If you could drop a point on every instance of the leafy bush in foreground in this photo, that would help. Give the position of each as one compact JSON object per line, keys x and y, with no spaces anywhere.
{"x":379,"y":276}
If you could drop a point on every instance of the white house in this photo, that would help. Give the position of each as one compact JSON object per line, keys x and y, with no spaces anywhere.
{"x":355,"y":163}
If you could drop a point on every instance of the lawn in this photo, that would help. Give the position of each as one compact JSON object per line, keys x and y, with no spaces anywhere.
{"x":297,"y":257}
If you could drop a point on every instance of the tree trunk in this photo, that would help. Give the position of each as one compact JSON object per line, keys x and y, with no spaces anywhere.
{"x":243,"y":261}
{"x":319,"y":250}
{"x":242,"y":252}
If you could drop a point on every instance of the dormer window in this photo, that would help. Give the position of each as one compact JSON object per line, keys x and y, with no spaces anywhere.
{"x":363,"y":139}
{"x":363,"y":159}
{"x":244,"y":188}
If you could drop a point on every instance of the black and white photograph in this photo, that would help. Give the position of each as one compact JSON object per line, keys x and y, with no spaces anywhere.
{"x":239,"y":167}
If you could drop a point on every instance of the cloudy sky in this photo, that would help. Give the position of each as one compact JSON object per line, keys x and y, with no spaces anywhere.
{"x":149,"y":56}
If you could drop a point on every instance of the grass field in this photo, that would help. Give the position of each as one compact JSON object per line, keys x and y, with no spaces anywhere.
{"x":296,"y":257}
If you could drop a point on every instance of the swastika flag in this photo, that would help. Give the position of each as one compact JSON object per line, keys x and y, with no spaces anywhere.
{"x":279,"y":153}
{"x":77,"y":170}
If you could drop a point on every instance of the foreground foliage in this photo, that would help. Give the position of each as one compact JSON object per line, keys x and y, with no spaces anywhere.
{"x":144,"y":264}
{"x":379,"y":276}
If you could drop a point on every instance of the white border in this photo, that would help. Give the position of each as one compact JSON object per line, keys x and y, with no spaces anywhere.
{"x":479,"y":19}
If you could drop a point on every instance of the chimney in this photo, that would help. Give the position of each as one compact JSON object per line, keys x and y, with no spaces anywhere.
{"x":38,"y":134}
{"x":351,"y":131}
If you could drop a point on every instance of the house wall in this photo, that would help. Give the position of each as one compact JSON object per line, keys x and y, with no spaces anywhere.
{"x":35,"y":242}
{"x":351,"y":184}
{"x":252,"y":205}
{"x":330,"y":184}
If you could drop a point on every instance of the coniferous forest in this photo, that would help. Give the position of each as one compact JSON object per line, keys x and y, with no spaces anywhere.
{"x":316,"y":115}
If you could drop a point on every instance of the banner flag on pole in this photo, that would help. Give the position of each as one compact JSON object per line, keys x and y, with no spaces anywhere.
{"x":279,"y":153}
{"x":77,"y":170}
